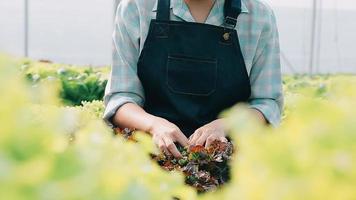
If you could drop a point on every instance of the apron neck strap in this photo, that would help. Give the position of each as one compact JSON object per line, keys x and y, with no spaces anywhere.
{"x":163,"y":10}
{"x":232,"y":10}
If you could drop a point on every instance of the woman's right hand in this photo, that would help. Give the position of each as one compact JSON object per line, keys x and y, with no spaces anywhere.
{"x":165,"y":134}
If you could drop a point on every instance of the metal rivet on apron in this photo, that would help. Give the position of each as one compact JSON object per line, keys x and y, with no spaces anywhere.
{"x":226,"y":36}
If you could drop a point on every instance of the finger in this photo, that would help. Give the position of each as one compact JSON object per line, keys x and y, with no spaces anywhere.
{"x":172,"y":148}
{"x":210,"y":140}
{"x":162,"y":147}
{"x":223,"y":139}
{"x":196,"y":135}
{"x":202,"y":139}
{"x":181,"y":139}
{"x":190,"y":137}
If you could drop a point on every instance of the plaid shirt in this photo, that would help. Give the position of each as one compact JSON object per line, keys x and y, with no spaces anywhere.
{"x":258,"y":37}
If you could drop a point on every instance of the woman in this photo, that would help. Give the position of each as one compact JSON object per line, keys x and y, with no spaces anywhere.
{"x":172,"y":76}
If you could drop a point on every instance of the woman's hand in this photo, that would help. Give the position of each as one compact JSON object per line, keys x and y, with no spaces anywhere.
{"x":208,"y":134}
{"x":165,"y":134}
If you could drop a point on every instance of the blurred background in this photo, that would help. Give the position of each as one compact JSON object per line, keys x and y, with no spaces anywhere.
{"x":317,"y":36}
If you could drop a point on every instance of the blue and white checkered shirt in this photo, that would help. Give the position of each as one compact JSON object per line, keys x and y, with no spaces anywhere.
{"x":258,"y":37}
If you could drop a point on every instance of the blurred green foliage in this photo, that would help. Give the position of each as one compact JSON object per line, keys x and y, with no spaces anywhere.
{"x":49,"y":150}
{"x":77,"y":83}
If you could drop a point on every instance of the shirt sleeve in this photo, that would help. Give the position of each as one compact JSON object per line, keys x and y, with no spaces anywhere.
{"x":124,"y":85}
{"x":265,"y":76}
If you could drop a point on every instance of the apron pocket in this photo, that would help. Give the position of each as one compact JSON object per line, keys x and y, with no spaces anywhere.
{"x":191,"y":76}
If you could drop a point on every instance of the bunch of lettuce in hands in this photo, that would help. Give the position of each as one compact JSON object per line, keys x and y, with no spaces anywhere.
{"x":205,"y":167}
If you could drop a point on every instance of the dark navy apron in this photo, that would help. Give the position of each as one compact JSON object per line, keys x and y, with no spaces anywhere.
{"x":190,"y":71}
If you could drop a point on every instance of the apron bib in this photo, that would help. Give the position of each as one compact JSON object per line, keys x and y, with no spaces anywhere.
{"x":190,"y":71}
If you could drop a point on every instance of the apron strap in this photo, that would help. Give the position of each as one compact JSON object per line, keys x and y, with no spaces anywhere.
{"x":163,"y":10}
{"x":232,"y":10}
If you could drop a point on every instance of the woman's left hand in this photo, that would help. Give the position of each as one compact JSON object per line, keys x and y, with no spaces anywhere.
{"x":208,"y":134}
